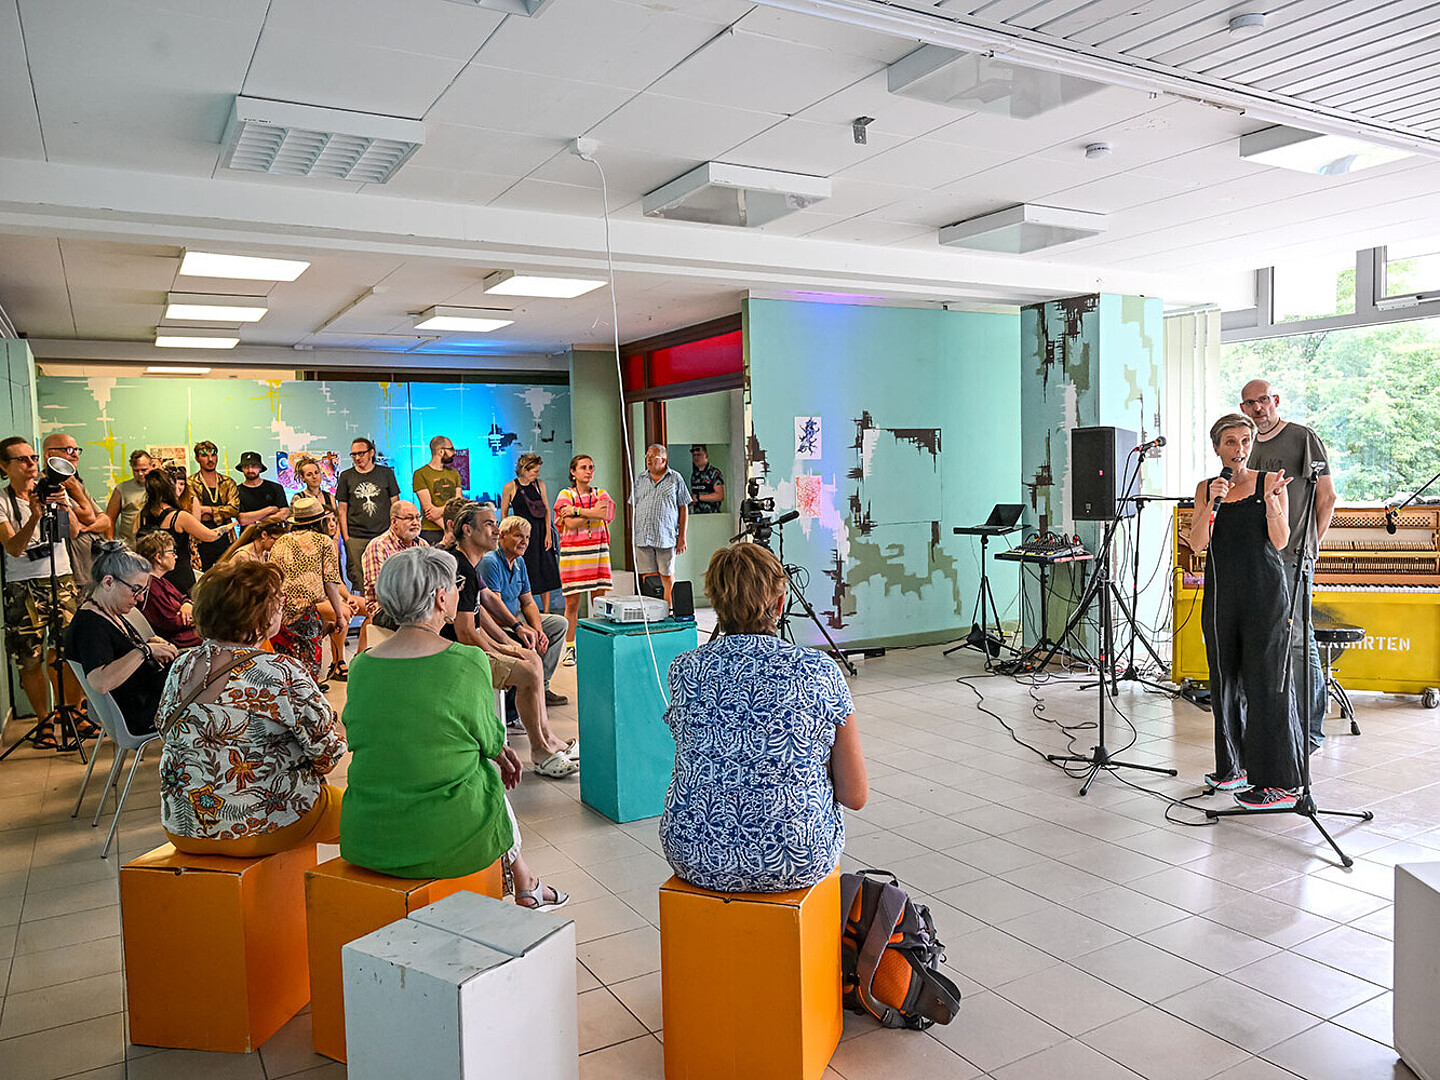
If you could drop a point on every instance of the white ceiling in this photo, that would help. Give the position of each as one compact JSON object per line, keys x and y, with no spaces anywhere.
{"x":111,"y":112}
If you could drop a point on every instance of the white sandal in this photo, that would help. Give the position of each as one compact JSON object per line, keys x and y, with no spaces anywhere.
{"x":572,"y":750}
{"x":556,"y":767}
{"x":537,"y":894}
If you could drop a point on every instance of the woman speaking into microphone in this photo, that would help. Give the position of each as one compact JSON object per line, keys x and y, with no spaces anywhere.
{"x":1244,"y":616}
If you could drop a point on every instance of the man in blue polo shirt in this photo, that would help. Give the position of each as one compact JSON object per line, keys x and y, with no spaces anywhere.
{"x":504,"y":571}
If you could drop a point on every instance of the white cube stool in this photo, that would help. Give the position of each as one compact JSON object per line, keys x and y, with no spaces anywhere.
{"x":1417,"y":966}
{"x":466,"y":987}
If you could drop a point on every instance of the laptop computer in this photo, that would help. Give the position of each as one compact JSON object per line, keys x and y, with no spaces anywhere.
{"x":1005,"y":514}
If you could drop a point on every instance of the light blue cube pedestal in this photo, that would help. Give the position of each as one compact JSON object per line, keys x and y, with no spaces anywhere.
{"x":628,"y":751}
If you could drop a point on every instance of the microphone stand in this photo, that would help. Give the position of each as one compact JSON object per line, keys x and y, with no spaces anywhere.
{"x":1305,"y":805}
{"x":1391,"y":512}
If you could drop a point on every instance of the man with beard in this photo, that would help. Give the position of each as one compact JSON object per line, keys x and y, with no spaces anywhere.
{"x":364,"y":496}
{"x":259,"y":500}
{"x":216,"y":501}
{"x":435,"y":485}
{"x":404,"y":532}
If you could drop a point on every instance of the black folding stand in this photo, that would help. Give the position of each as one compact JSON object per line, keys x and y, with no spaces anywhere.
{"x":1305,"y":805}
{"x":979,"y":636}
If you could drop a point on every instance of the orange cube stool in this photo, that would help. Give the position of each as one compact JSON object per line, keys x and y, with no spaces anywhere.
{"x":750,"y":982}
{"x":214,"y":947}
{"x":343,"y":903}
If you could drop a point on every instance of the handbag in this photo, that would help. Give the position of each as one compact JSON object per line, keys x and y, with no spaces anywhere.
{"x":176,"y":713}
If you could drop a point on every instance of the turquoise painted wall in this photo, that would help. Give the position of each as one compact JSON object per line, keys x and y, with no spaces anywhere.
{"x":109,"y":417}
{"x":17,"y":406}
{"x":920,"y":432}
{"x":1086,"y":361}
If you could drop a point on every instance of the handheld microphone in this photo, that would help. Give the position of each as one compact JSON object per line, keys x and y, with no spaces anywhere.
{"x":1390,"y":515}
{"x":1225,"y":474}
{"x":1159,"y":440}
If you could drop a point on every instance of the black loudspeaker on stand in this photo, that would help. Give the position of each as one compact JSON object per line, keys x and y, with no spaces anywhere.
{"x":1102,"y":589}
{"x":1305,"y":805}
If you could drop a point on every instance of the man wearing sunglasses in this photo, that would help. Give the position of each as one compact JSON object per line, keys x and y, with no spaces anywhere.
{"x":1284,"y":444}
{"x":27,"y":563}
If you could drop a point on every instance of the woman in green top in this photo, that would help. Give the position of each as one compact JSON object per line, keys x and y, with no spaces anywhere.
{"x":426,"y":786}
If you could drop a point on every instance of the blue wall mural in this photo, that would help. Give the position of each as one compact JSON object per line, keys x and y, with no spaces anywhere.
{"x":885,"y":427}
{"x":110,"y":417}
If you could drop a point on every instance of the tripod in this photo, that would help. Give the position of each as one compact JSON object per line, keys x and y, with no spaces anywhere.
{"x":979,"y":636}
{"x":1305,"y":805}
{"x":1131,"y":672}
{"x":1103,"y":589}
{"x":64,"y":713}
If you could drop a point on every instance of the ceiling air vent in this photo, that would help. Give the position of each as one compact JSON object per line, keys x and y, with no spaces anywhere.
{"x":285,"y":139}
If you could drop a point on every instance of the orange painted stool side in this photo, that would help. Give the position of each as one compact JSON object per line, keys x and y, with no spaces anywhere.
{"x":750,"y":982}
{"x":215,"y":953}
{"x":344,"y":902}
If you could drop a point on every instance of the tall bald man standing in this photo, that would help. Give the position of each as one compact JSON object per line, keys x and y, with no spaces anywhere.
{"x":1284,"y":444}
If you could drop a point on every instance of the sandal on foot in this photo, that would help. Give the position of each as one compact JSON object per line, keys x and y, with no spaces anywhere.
{"x":86,"y":728}
{"x":537,"y":897}
{"x":572,"y":750}
{"x":338,"y":671}
{"x":556,"y":767}
{"x":43,"y":737}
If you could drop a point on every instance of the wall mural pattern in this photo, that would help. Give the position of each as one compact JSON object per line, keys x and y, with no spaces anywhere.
{"x":492,"y":423}
{"x":932,"y":444}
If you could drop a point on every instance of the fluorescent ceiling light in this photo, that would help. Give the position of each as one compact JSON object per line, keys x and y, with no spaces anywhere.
{"x":720,"y":194}
{"x":965,"y":80}
{"x":242,"y":267}
{"x":283,"y":138}
{"x":463,"y":319}
{"x":154,"y":370}
{"x":167,"y":337}
{"x":211,"y":308}
{"x":1312,"y":152}
{"x":509,"y":283}
{"x":1023,"y":228}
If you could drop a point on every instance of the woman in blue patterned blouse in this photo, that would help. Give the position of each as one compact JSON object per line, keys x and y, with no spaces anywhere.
{"x":766,"y":750}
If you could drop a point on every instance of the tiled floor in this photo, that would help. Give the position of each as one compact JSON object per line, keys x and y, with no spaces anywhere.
{"x":1091,"y":938}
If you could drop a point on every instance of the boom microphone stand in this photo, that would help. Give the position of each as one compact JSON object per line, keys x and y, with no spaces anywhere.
{"x":1305,"y":805}
{"x":1131,"y":612}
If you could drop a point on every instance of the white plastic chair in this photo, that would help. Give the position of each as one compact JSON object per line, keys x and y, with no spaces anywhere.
{"x":112,"y":721}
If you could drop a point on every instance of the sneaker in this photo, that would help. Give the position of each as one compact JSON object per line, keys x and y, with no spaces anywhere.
{"x":1238,"y":782}
{"x":569,"y":659}
{"x":1270,"y":798}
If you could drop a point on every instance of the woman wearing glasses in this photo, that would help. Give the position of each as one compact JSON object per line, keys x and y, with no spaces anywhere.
{"x":118,"y":660}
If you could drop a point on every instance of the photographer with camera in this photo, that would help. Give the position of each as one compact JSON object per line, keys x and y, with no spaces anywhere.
{"x":35,"y":522}
{"x":117,"y":660}
{"x":95,"y":525}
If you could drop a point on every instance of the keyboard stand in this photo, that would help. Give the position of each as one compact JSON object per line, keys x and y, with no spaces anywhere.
{"x":980,"y":636}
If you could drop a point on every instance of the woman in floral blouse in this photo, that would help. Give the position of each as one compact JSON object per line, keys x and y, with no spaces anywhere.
{"x":243,"y":767}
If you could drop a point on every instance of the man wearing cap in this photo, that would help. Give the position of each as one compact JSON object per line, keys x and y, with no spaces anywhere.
{"x":259,"y":500}
{"x":216,"y":502}
{"x":707,"y":483}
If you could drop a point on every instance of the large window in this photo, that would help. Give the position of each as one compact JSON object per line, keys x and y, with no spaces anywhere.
{"x":1372,"y":393}
{"x":1412,"y":266}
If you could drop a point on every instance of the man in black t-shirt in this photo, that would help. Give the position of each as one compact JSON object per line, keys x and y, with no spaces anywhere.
{"x":707,"y":483}
{"x":365,"y":493}
{"x":260,"y":500}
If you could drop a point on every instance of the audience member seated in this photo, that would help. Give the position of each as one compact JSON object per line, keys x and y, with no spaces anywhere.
{"x":165,"y":608}
{"x":766,"y":749}
{"x":255,"y":541}
{"x":505,"y":572}
{"x":248,"y":736}
{"x":427,"y":782}
{"x":162,"y":511}
{"x":512,"y":663}
{"x":116,"y":659}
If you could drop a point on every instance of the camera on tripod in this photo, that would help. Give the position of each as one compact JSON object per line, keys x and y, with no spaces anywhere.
{"x":54,"y":519}
{"x":753,"y":510}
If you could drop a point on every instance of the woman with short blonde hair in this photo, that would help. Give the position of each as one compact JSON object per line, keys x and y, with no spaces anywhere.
{"x":526,"y":496}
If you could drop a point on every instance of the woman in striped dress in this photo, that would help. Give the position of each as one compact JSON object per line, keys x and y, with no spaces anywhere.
{"x":583,"y":515}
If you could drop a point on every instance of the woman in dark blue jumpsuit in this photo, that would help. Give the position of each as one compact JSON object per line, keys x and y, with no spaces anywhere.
{"x":1244,"y":616}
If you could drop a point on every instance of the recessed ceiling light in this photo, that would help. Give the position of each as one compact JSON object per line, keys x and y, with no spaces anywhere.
{"x":463,"y":319}
{"x":243,"y":267}
{"x":1312,"y":152}
{"x":211,"y":308}
{"x":167,"y":337}
{"x":1247,"y":24}
{"x":1023,"y":228}
{"x":169,"y":370}
{"x":740,"y":195}
{"x":509,"y":283}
